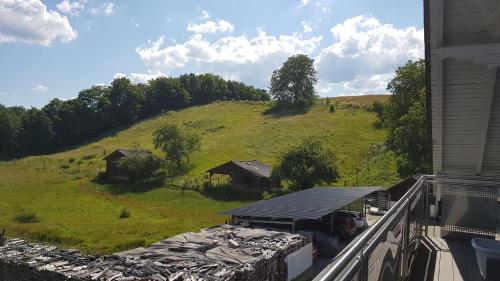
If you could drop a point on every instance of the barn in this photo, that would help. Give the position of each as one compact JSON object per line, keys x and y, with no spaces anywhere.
{"x":249,"y":175}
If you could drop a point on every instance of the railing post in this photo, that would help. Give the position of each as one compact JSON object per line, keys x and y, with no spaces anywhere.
{"x":426,"y":208}
{"x":364,"y":265}
{"x":406,"y":237}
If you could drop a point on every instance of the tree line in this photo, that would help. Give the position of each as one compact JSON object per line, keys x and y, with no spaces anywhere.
{"x":99,"y":109}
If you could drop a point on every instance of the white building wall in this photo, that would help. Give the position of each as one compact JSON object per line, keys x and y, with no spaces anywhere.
{"x":299,"y":261}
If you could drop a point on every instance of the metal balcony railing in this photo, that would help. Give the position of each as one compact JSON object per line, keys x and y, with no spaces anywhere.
{"x":386,"y":250}
{"x":469,"y":207}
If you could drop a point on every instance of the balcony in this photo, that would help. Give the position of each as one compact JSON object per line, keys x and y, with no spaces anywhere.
{"x":406,"y":244}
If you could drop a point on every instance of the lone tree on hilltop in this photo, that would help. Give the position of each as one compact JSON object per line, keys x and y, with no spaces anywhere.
{"x":306,"y":165}
{"x":293,"y":84}
{"x":176,"y":144}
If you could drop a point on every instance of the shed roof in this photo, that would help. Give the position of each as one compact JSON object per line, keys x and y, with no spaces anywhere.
{"x":124,"y":152}
{"x":312,"y":203}
{"x":254,"y":167}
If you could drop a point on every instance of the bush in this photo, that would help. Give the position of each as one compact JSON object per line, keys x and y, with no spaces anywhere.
{"x":140,"y":166}
{"x":27,"y":218}
{"x":71,"y":160}
{"x":65,"y":167}
{"x":124,"y":214}
{"x":266,"y":195}
{"x":332,"y":108}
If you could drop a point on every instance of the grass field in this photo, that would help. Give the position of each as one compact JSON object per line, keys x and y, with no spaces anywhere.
{"x":71,"y":209}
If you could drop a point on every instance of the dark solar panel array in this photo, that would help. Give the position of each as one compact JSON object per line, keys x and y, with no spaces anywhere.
{"x":312,"y":203}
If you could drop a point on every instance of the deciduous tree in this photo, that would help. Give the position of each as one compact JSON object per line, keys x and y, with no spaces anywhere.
{"x":405,"y":118}
{"x":293,"y":83}
{"x":306,"y":165}
{"x":176,"y":144}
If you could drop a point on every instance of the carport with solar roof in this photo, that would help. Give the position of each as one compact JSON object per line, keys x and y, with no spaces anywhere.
{"x":310,"y":207}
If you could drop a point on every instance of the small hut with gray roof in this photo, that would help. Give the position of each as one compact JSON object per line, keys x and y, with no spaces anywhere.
{"x":250,"y":175}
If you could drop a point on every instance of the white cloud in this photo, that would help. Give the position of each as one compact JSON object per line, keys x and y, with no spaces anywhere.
{"x":220,"y":26}
{"x":305,"y":2}
{"x":72,"y":8}
{"x":307,"y":26}
{"x":236,"y":57}
{"x":41,"y":88}
{"x":30,"y":22}
{"x":108,"y":8}
{"x":105,"y":9}
{"x":138,"y":77}
{"x":366,"y":53}
{"x":360,"y":59}
{"x":204,"y":15}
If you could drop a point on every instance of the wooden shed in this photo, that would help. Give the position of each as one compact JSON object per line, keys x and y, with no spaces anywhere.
{"x":112,"y":170}
{"x":250,"y":175}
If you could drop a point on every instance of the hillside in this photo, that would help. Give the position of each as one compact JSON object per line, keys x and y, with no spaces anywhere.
{"x":75,"y":211}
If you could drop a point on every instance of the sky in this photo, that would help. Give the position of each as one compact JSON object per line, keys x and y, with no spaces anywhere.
{"x":54,"y":49}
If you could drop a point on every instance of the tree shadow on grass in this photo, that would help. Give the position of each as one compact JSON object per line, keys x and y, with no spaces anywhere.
{"x":226,"y":193}
{"x":118,"y":187}
{"x":278,"y":110}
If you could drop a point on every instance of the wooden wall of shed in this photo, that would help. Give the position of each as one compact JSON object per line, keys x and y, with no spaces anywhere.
{"x":252,"y":185}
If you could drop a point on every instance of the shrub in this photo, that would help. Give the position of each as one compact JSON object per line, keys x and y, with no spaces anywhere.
{"x":64,"y":166}
{"x":124,"y":214}
{"x":332,"y":108}
{"x":71,"y":160}
{"x":266,"y":195}
{"x":27,"y":218}
{"x":140,"y":166}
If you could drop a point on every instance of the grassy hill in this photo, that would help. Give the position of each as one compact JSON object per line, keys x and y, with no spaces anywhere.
{"x":73,"y":210}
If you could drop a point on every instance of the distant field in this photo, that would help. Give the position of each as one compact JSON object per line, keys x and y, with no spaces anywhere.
{"x":74,"y":211}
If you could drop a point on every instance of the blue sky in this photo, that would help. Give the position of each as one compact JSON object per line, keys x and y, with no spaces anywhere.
{"x":52,"y":49}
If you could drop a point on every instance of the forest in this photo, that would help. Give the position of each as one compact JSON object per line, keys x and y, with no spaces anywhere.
{"x":62,"y":123}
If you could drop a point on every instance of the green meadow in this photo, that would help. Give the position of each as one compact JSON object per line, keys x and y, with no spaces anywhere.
{"x":55,"y":198}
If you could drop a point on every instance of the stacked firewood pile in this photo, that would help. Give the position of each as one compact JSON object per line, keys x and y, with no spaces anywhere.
{"x":220,"y":253}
